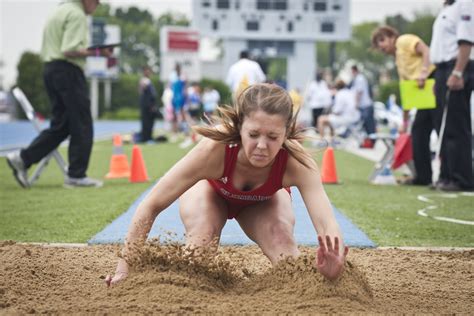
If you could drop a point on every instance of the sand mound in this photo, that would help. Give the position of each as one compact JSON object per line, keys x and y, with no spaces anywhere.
{"x":35,"y":279}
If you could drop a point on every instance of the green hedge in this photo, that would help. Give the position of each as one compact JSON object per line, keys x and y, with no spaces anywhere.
{"x":125,"y":96}
{"x":221,"y":87}
{"x":385,"y":90}
{"x":125,"y":91}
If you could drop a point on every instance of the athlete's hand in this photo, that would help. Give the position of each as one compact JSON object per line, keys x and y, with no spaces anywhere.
{"x":120,"y":273}
{"x":330,"y":261}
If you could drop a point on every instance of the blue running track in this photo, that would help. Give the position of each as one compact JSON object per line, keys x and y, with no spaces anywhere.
{"x":18,"y":134}
{"x":232,"y":234}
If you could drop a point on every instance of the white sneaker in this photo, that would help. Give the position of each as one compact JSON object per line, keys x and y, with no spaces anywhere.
{"x":186,"y":143}
{"x":19,"y":171}
{"x":82,"y":182}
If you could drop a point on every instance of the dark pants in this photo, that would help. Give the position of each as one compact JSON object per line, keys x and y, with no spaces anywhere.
{"x":71,"y":116}
{"x":367,"y":117}
{"x":456,"y":149}
{"x":316,"y":114}
{"x":425,"y":122}
{"x":147,"y":116}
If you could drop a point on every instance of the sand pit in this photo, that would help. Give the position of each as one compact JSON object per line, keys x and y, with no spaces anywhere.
{"x":38,"y":279}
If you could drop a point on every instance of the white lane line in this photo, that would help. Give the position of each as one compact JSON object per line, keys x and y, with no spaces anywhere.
{"x":424,"y":211}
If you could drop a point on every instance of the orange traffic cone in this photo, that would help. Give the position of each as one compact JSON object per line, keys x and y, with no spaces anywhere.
{"x":119,"y":167}
{"x":139,"y":173}
{"x":328,"y":167}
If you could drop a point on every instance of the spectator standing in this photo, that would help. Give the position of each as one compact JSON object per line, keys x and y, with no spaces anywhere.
{"x":178,"y":87}
{"x":148,"y":106}
{"x":451,"y":43}
{"x":168,"y":112}
{"x":194,"y":100}
{"x":364,"y":103}
{"x":243,"y":73}
{"x":64,"y":50}
{"x":296,"y":98}
{"x":210,"y":100}
{"x":318,"y":97}
{"x":413,"y":63}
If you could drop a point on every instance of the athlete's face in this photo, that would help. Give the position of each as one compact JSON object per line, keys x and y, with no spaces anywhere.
{"x":262,"y":136}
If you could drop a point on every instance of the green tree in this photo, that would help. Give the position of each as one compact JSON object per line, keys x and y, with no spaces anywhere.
{"x":398,"y":22}
{"x":134,"y":15}
{"x":357,"y":49}
{"x":172,"y":18}
{"x":140,"y":34}
{"x":276,"y":69}
{"x":30,"y":80}
{"x":422,"y":26}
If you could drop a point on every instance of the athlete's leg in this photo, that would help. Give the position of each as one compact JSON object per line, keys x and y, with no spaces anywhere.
{"x":204,"y":214}
{"x":270,"y":224}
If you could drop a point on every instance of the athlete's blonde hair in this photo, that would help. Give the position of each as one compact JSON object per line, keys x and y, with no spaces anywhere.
{"x":270,"y":98}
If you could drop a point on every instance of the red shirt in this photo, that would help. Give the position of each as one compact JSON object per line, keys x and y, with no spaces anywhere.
{"x":236,"y":197}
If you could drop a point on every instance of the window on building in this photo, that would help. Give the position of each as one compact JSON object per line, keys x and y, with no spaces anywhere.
{"x":252,"y":26}
{"x":272,"y":4}
{"x":320,"y":6}
{"x":223,"y":4}
{"x":206,"y":4}
{"x":280,"y":4}
{"x":237,"y":4}
{"x":336,"y":7}
{"x":289,"y":27}
{"x":327,"y":27}
{"x":263,"y":4}
{"x":215,"y":25}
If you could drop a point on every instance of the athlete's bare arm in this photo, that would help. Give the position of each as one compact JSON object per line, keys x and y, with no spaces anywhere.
{"x":331,"y":252}
{"x":205,"y":161}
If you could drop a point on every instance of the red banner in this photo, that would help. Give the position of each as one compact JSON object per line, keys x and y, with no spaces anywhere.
{"x":184,"y":41}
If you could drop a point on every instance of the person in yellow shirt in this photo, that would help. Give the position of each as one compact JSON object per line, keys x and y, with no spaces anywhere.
{"x":296,"y":98}
{"x":413,"y":63}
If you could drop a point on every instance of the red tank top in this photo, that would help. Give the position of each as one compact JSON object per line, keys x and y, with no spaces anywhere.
{"x":225,"y":189}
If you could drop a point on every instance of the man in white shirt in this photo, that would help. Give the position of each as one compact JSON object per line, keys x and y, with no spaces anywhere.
{"x":450,"y":50}
{"x":317,"y":97}
{"x":244,"y":73}
{"x":364,"y":103}
{"x":344,"y":112}
{"x":210,"y":100}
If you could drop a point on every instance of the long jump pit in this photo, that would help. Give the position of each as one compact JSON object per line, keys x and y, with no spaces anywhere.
{"x":69,"y":279}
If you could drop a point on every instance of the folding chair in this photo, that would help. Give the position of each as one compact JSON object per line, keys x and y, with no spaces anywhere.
{"x":386,"y":161}
{"x":30,"y":114}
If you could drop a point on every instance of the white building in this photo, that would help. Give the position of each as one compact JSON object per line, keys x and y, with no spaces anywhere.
{"x":274,"y":28}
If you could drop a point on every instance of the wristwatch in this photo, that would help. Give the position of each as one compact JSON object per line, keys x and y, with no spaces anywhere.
{"x":457,"y":73}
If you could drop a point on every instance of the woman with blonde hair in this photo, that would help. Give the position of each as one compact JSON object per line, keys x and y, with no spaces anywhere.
{"x":242,"y":169}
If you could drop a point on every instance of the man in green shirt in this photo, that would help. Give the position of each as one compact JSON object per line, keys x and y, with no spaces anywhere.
{"x":64,"y":50}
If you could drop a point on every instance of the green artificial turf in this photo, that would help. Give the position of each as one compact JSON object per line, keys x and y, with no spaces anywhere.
{"x":387,"y":214}
{"x":47,"y":212}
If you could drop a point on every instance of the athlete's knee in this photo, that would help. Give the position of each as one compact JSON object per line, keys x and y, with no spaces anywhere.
{"x":203,"y":233}
{"x":281,"y":235}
